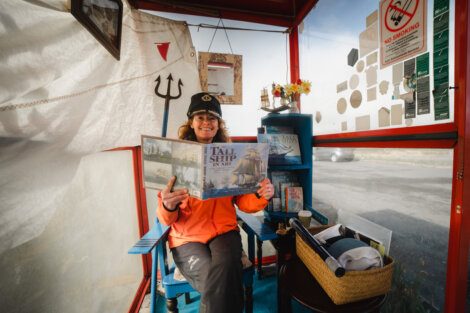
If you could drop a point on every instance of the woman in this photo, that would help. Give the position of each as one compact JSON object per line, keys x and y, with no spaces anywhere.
{"x":204,"y":236}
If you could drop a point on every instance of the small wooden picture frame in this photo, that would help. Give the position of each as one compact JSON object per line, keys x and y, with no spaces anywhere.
{"x":221,"y":76}
{"x":103,"y":19}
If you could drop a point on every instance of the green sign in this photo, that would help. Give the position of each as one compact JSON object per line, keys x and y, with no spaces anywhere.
{"x":441,"y":40}
{"x":422,"y":65}
{"x":441,"y":102}
{"x":441,"y":58}
{"x":441,"y":75}
{"x":440,"y":6}
{"x":441,"y":23}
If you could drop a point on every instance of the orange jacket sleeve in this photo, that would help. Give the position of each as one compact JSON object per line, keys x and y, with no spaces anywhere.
{"x":249,"y":203}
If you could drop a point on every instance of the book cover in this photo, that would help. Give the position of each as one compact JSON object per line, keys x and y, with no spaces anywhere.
{"x":294,"y":199}
{"x":271,"y":129}
{"x":206,"y":170}
{"x":283,"y":148}
{"x":278,"y":177}
{"x":234,"y":168}
{"x":163,"y":158}
{"x":283,"y":187}
{"x":276,"y":204}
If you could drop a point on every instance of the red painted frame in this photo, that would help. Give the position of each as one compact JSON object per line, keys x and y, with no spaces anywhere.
{"x":143,"y":222}
{"x":459,"y":233}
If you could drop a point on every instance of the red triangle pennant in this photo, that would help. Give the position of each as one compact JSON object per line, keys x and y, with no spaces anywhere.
{"x":162,"y":47}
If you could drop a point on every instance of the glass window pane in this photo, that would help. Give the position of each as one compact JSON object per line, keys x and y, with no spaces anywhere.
{"x":405,"y":190}
{"x":377,"y":64}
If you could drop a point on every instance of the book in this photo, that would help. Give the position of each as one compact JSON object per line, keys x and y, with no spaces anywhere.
{"x":283,"y":187}
{"x":271,"y":129}
{"x":276,"y":178}
{"x":294,"y":199}
{"x":206,"y":170}
{"x":283,"y":148}
{"x":276,"y":204}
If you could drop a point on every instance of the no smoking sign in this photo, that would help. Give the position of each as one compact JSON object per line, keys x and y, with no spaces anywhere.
{"x":399,"y":14}
{"x":402,"y":30}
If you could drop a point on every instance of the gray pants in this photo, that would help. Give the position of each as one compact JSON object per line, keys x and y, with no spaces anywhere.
{"x":215,"y":271}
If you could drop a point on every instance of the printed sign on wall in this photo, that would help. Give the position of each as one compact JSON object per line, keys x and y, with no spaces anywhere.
{"x":402,"y":30}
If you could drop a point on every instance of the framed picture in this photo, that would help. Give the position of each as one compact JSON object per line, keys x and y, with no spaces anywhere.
{"x":103,"y":19}
{"x":221,"y":76}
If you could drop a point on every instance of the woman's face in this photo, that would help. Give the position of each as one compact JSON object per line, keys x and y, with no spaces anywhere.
{"x":205,"y":127}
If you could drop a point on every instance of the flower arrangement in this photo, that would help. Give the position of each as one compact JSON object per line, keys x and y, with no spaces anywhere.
{"x":291,"y":92}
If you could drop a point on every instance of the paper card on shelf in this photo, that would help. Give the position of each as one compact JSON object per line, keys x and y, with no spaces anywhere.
{"x":294,"y":199}
{"x":282,"y":188}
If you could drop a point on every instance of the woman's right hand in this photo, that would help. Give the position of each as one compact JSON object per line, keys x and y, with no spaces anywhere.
{"x":171,"y":198}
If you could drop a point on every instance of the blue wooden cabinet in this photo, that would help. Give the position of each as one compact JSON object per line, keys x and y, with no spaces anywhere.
{"x":302,"y":126}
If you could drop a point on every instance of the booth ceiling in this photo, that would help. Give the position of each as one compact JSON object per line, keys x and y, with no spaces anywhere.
{"x":284,"y":13}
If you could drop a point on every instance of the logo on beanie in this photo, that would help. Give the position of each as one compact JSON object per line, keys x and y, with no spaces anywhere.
{"x":206,"y":98}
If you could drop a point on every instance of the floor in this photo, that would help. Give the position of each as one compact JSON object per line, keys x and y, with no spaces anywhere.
{"x":264,"y":299}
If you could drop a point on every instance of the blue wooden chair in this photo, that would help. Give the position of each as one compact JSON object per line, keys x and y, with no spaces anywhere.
{"x":155,"y":242}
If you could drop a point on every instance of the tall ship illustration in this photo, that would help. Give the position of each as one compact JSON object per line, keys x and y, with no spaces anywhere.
{"x":248,"y":170}
{"x":278,"y":149}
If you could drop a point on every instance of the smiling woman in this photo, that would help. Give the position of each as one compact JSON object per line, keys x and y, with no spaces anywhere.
{"x":205,"y":123}
{"x":204,"y":237}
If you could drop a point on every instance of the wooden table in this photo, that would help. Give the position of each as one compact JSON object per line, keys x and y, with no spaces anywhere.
{"x":256,"y":228}
{"x":295,"y":281}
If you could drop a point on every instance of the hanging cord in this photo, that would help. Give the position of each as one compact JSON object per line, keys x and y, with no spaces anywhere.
{"x":226,"y":35}
{"x":215,"y":31}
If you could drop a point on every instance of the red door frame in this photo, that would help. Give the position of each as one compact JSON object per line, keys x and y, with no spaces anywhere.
{"x":459,"y":231}
{"x":143,"y":222}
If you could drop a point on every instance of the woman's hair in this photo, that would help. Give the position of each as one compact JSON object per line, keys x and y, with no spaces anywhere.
{"x":187,"y":133}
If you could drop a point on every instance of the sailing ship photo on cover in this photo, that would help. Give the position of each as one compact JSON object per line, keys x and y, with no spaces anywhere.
{"x":164,"y":158}
{"x":283,"y":148}
{"x":234,"y":168}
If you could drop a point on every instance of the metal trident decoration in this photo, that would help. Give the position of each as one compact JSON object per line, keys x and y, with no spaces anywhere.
{"x":167,"y":98}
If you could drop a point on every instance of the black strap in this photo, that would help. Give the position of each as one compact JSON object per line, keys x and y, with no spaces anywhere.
{"x":169,"y":210}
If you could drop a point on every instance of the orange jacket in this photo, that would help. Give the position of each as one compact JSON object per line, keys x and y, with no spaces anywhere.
{"x":201,"y":220}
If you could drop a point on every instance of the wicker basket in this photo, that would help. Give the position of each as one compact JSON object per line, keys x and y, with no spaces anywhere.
{"x":354,"y":285}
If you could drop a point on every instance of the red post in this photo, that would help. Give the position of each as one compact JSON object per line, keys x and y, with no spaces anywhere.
{"x":294,"y":56}
{"x":459,"y":232}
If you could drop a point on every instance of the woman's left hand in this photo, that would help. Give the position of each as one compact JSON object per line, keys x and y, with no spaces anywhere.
{"x":267,"y":189}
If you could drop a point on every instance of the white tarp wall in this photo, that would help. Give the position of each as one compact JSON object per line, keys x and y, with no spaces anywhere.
{"x":66,"y":221}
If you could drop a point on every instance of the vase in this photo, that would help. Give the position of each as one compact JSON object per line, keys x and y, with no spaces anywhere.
{"x":284,"y":102}
{"x":293,"y":107}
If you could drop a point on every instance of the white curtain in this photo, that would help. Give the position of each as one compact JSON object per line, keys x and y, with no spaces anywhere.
{"x":63,"y":96}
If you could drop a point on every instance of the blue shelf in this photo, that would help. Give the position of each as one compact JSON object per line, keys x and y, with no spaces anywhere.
{"x":289,"y":167}
{"x":303,"y":126}
{"x":284,"y":216}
